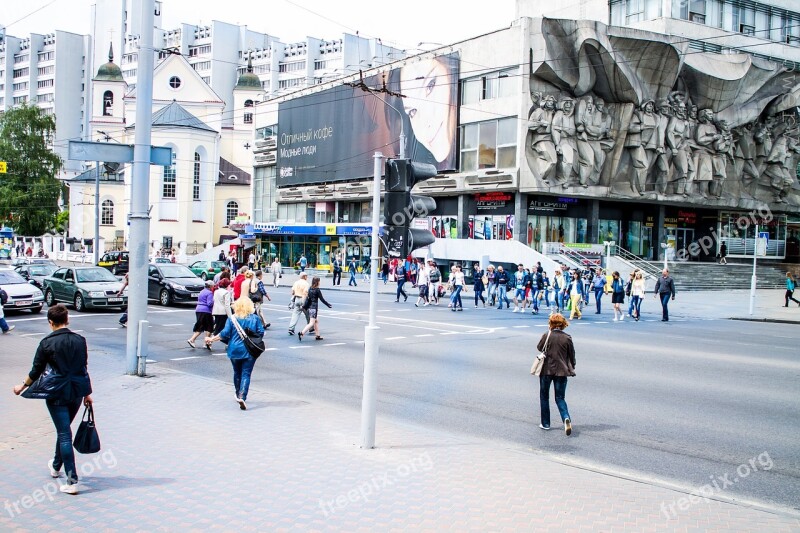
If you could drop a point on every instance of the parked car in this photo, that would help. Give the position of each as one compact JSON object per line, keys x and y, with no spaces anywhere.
{"x":84,"y":287}
{"x":116,"y":262}
{"x":36,"y":272}
{"x":207,"y":269}
{"x":171,"y":283}
{"x":162,"y":260}
{"x":17,"y":261}
{"x":21,"y":293}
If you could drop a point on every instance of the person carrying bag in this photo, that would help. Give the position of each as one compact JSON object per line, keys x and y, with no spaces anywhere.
{"x":555,"y":367}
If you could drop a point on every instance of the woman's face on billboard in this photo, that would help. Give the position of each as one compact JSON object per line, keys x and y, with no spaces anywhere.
{"x":427,"y":89}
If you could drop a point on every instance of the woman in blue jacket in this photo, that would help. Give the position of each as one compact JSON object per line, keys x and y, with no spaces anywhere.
{"x":241,"y":360}
{"x":790,"y":286}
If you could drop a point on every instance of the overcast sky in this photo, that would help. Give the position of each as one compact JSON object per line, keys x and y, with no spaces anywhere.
{"x":403,"y":23}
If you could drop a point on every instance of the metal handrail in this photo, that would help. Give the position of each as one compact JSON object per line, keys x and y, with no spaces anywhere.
{"x":570,"y":255}
{"x":645,"y":266}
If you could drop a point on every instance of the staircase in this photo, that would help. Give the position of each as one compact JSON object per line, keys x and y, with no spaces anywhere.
{"x":691,"y":276}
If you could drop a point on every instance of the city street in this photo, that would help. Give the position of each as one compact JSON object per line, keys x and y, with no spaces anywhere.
{"x":682,"y":404}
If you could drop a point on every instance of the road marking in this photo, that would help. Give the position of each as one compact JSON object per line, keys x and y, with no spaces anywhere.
{"x":32,"y":334}
{"x":601,"y":322}
{"x":150,"y":361}
{"x":296,"y":347}
{"x":520,"y":326}
{"x":106,"y":329}
{"x":424,"y":335}
{"x":170,"y":325}
{"x":266,"y":350}
{"x":540,"y":325}
{"x":335,"y":344}
{"x":449,"y":333}
{"x":394,"y":338}
{"x":185,"y":358}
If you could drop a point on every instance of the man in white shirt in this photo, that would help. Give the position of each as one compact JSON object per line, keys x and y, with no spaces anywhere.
{"x":299,"y":295}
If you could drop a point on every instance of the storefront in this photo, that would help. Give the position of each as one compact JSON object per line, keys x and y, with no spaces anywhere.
{"x":491,"y":216}
{"x":320,"y":243}
{"x":554,"y":219}
{"x":739,"y":231}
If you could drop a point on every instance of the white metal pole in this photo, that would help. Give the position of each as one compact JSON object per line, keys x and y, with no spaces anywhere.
{"x":97,"y":213}
{"x":372,"y":331}
{"x":140,"y":193}
{"x":753,"y":279}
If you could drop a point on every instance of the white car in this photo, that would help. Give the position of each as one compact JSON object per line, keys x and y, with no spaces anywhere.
{"x":21,"y":293}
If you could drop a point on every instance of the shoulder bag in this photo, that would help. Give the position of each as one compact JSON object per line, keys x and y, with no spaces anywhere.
{"x":86,"y":438}
{"x":254,"y":344}
{"x":538,"y":363}
{"x":47,"y":387}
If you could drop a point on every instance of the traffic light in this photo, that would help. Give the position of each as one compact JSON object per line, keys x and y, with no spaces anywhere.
{"x":400,"y":206}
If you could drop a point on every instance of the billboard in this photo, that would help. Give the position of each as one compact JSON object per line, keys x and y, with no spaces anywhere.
{"x":332,"y":135}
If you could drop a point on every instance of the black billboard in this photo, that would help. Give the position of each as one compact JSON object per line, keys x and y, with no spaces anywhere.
{"x":332,"y":135}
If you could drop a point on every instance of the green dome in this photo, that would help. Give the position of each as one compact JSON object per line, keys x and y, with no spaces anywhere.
{"x":110,"y":71}
{"x":248,"y":80}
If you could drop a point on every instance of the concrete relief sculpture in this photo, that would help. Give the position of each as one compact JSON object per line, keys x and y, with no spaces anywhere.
{"x":608,"y":120}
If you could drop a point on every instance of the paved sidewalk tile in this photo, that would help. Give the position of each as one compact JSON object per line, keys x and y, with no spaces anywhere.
{"x":178,"y":455}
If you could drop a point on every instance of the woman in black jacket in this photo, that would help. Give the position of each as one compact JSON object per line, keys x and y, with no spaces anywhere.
{"x":312,"y":306}
{"x":559,"y":363}
{"x":65,"y":352}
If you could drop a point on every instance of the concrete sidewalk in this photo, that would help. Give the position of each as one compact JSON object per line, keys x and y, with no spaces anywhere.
{"x":179,"y":455}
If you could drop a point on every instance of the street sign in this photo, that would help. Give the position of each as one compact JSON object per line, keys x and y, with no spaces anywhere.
{"x":761,"y":243}
{"x":115,"y":153}
{"x":3,"y":167}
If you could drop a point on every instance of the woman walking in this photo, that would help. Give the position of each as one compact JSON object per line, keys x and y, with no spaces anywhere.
{"x":222,"y":306}
{"x":617,"y":296}
{"x":457,"y":280}
{"x":423,"y":282}
{"x":477,"y":284}
{"x":257,"y":294}
{"x":558,"y":288}
{"x":790,"y":286}
{"x":66,"y":353}
{"x":312,"y":306}
{"x":491,"y":286}
{"x":276,"y":269}
{"x":241,"y":360}
{"x":637,"y":294}
{"x":559,"y":364}
{"x":203,"y":312}
{"x":574,"y":292}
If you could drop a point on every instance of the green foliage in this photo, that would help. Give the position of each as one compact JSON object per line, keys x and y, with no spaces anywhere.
{"x":61,"y":223}
{"x":29,"y":191}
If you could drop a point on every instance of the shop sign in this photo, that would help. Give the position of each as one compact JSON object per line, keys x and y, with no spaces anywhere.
{"x":586,"y":248}
{"x":687,"y":217}
{"x":648,"y":223}
{"x":492,"y":200}
{"x":556,"y":204}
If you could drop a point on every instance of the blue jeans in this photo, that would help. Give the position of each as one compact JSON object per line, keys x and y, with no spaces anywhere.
{"x":63,"y":414}
{"x":631,"y":306}
{"x":560,"y":386}
{"x":242,"y":368}
{"x":559,"y":299}
{"x":598,"y":295}
{"x":456,"y":297}
{"x":400,"y":282}
{"x":479,"y":294}
{"x":586,"y":292}
{"x":502,"y":296}
{"x":3,"y":324}
{"x":665,"y":296}
{"x":352,"y":278}
{"x":636,"y":305}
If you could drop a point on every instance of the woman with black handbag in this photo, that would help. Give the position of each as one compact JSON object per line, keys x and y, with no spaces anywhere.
{"x":241,"y":360}
{"x":64,"y":388}
{"x":312,"y":306}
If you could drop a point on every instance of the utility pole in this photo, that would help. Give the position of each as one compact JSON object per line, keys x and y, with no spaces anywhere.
{"x":97,"y":213}
{"x":138,"y":242}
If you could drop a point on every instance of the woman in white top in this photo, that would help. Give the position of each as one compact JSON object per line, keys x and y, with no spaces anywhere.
{"x":457,"y":278}
{"x":637,"y":294}
{"x":423,"y":281}
{"x":276,"y":271}
{"x":222,"y":305}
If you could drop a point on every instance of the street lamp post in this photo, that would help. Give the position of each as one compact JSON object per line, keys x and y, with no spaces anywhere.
{"x":666,"y":247}
{"x":608,"y":245}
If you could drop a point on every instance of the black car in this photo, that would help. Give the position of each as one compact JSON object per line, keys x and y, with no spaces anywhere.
{"x":36,"y":272}
{"x":116,"y":262}
{"x":170,"y":283}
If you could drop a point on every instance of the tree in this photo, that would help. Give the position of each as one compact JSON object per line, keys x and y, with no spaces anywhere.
{"x":29,"y":191}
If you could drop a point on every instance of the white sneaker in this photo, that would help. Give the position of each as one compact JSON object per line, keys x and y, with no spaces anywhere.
{"x":53,"y":471}
{"x":621,"y":318}
{"x":615,"y":319}
{"x":516,"y":310}
{"x":10,"y":327}
{"x":70,"y":489}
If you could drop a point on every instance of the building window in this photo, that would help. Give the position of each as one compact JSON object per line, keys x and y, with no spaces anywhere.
{"x":202,"y":65}
{"x":493,"y":85}
{"x":634,"y":11}
{"x":107,"y":213}
{"x":21,"y":86}
{"x":168,"y":186}
{"x":129,"y":73}
{"x":295,"y":82}
{"x":41,"y":84}
{"x":196,"y":178}
{"x":293,"y":66}
{"x":44,"y":71}
{"x":22,"y":58}
{"x":46,"y":56}
{"x":248,"y":118}
{"x":21,"y":72}
{"x":231,"y":212}
{"x":108,"y":103}
{"x":490,"y":144}
{"x":174,"y":82}
{"x":744,"y":20}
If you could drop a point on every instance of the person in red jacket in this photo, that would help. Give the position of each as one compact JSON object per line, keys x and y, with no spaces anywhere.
{"x":237,"y":282}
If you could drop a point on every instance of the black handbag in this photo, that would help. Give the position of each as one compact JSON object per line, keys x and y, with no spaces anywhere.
{"x":254,"y":344}
{"x":86,"y":438}
{"x":47,"y":387}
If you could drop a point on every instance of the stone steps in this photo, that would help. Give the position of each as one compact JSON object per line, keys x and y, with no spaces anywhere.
{"x":712,"y":276}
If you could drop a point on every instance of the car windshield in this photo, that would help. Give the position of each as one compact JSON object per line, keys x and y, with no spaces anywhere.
{"x":217,"y":264}
{"x":9,"y":277}
{"x":176,"y":271}
{"x":93,"y":275}
{"x":41,"y":270}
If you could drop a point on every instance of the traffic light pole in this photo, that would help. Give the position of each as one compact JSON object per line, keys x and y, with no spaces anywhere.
{"x":372,"y":331}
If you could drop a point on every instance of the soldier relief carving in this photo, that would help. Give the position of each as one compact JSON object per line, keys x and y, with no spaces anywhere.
{"x":674,"y":135}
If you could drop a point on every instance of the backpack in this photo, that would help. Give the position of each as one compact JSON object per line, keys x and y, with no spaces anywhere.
{"x":3,"y":297}
{"x":435,"y":276}
{"x":256,"y":296}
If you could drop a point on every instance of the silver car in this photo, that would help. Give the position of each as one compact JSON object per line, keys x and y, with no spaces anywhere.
{"x":21,"y":293}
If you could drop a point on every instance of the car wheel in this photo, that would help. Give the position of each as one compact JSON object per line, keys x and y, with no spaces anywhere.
{"x":203,"y":276}
{"x":49,"y":299}
{"x":80,"y":305}
{"x":164,"y":298}
{"x":36,"y":310}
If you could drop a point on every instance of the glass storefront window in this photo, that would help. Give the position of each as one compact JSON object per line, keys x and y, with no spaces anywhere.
{"x":545,"y":228}
{"x":608,"y":231}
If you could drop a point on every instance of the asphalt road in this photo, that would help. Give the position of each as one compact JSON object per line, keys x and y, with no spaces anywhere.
{"x":697,"y":402}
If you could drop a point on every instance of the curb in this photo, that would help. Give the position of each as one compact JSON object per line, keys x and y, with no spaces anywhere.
{"x":769,"y":320}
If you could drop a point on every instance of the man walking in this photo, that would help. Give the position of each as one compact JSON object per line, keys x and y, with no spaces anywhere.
{"x":337,"y":271}
{"x":502,"y":279}
{"x":303,"y":262}
{"x":299,"y":295}
{"x":665,"y":288}
{"x":352,"y":267}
